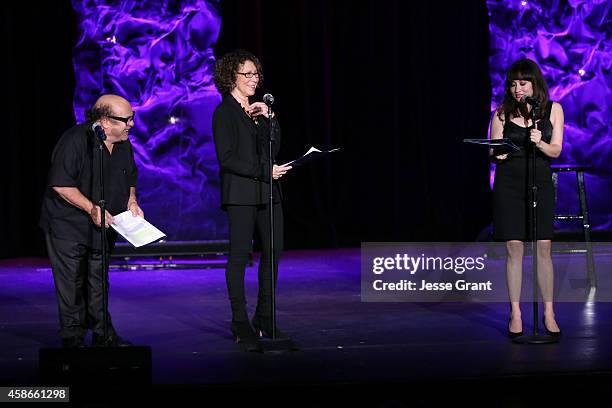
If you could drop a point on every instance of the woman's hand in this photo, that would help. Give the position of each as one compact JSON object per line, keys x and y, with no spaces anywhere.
{"x":535,"y":136}
{"x":501,"y":157}
{"x":279,"y":171}
{"x":258,"y":109}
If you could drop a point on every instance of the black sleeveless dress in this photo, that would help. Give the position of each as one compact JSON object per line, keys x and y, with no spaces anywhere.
{"x":511,"y":198}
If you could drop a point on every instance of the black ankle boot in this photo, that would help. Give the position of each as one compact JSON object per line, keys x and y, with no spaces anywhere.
{"x":244,"y":335}
{"x":263,"y":327}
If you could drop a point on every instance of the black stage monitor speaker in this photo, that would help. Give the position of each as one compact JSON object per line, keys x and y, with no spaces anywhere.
{"x":104,"y":365}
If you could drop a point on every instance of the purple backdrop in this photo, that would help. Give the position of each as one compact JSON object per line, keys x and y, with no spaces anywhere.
{"x":159,"y":56}
{"x":570,"y":40}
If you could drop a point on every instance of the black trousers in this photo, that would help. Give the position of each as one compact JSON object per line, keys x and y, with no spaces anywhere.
{"x":77,"y":273}
{"x":243,"y":221}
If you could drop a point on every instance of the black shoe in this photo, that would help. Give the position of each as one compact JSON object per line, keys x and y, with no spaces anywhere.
{"x":511,"y":334}
{"x":244,"y":335}
{"x":263,"y":327}
{"x":112,"y":341}
{"x":548,"y":332}
{"x":73,"y":342}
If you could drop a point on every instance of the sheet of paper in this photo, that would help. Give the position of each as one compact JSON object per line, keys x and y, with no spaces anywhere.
{"x":136,"y":230}
{"x":310,"y":154}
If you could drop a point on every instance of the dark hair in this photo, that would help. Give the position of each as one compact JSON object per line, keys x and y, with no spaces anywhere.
{"x":227,"y":66}
{"x":95,"y":113}
{"x":526,"y":70}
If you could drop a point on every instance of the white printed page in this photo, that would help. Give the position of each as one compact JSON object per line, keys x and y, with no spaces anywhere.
{"x":136,"y":230}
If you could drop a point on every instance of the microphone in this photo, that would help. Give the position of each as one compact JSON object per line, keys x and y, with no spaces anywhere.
{"x":99,"y":131}
{"x":530,"y":100}
{"x":268,"y":99}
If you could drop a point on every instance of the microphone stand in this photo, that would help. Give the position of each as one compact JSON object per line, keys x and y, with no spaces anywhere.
{"x":271,"y":141}
{"x":102,"y":203}
{"x":274,"y":344}
{"x":535,"y":338}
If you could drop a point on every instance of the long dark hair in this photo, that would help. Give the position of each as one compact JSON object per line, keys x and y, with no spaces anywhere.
{"x":526,"y":70}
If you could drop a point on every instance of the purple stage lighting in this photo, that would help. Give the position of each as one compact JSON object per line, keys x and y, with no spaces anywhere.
{"x":159,"y":56}
{"x":570,"y":40}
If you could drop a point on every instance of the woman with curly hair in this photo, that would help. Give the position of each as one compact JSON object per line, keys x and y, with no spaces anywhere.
{"x":514,"y":119}
{"x":241,"y":132}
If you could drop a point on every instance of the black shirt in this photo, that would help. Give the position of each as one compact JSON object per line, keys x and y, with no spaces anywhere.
{"x":75,"y":163}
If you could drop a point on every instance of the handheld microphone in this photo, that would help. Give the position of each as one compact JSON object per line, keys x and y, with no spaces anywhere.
{"x":530,"y":100}
{"x":99,"y":131}
{"x":268,"y":99}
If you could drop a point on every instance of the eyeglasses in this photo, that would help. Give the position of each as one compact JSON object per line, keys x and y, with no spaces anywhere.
{"x":249,"y":75}
{"x":124,"y":120}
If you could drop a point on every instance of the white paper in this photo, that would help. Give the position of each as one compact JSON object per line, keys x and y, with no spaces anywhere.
{"x":136,"y":230}
{"x":310,"y":151}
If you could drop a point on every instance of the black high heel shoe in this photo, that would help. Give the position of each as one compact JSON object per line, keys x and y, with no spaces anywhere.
{"x":548,"y":332}
{"x":511,"y":334}
{"x":263,"y":327}
{"x":244,"y":335}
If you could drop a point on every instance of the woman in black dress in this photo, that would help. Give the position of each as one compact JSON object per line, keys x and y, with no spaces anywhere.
{"x":241,"y":132}
{"x":513,"y":119}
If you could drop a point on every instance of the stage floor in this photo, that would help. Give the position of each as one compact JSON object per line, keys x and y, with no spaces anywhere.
{"x":368,"y":354}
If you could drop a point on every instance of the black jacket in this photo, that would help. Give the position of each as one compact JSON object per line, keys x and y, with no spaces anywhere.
{"x":242,"y":151}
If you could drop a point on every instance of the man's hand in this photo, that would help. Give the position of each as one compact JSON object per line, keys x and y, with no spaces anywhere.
{"x":96,"y":216}
{"x":135,"y":209}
